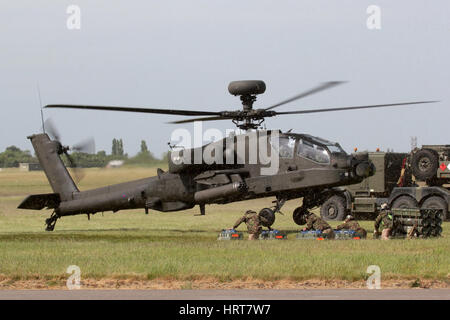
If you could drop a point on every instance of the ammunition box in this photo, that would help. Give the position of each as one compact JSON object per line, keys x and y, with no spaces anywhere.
{"x":427,"y":222}
{"x":313,"y":234}
{"x":230,"y":235}
{"x":346,"y":235}
{"x":272,"y":235}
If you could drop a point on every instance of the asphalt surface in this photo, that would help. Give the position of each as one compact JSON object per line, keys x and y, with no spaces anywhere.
{"x":230,"y":294}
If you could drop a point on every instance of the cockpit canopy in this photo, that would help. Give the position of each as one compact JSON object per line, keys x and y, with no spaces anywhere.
{"x":312,"y":148}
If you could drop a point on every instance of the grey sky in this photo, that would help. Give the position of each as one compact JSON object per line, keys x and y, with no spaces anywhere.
{"x":183,"y":54}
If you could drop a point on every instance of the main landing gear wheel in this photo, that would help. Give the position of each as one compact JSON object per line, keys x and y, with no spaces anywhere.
{"x":298,"y":215}
{"x":267,"y":217}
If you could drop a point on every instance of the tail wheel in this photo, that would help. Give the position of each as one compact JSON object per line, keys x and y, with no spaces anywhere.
{"x":405,"y":202}
{"x":334,"y":208}
{"x":424,"y":164}
{"x":267,"y":217}
{"x":436,"y":202}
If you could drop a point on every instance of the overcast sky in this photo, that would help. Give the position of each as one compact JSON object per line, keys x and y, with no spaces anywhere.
{"x":183,"y":54}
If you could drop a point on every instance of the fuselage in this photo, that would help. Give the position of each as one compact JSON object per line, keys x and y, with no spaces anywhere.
{"x":226,"y":172}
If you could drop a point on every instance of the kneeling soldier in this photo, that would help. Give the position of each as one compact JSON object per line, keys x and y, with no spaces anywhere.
{"x":313,"y":222}
{"x":384,"y":220}
{"x":253,"y":222}
{"x":351,"y":224}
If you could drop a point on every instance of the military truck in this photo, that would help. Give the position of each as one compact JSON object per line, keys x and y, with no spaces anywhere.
{"x":403,"y":180}
{"x":430,"y":163}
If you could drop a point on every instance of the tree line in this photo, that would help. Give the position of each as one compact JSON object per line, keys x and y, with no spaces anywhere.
{"x":13,"y":155}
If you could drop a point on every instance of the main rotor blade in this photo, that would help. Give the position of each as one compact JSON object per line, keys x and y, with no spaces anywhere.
{"x":321,"y":87}
{"x":200,"y":119}
{"x":142,"y":110}
{"x":353,"y":108}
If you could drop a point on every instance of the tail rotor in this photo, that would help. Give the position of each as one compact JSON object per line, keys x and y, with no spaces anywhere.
{"x":85,"y":146}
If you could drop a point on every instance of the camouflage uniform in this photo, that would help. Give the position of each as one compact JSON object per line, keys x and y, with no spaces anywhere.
{"x":384,"y":220}
{"x":353,"y":225}
{"x":252,"y":220}
{"x":314,"y":222}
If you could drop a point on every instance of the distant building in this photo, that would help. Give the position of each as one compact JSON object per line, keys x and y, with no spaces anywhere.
{"x":115,"y":164}
{"x":24,"y":166}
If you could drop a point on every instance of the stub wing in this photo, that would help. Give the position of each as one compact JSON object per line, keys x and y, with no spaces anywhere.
{"x":40,"y":201}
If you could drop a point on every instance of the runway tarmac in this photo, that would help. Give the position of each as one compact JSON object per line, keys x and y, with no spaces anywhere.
{"x":230,"y":294}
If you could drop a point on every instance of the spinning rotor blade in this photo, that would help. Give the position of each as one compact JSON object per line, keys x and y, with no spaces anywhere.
{"x":353,"y":108}
{"x":85,"y":146}
{"x":142,"y":110}
{"x":250,"y":118}
{"x":78,"y":173}
{"x":51,"y":129}
{"x":323,"y":86}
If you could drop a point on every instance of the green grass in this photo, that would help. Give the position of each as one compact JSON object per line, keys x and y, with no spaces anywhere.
{"x":183,"y":245}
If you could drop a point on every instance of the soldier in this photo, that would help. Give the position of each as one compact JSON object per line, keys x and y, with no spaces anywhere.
{"x":253,"y":222}
{"x":384,"y":220}
{"x":313,"y":222}
{"x":351,"y":224}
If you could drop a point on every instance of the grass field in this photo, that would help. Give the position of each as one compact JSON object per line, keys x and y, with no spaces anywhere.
{"x":183,"y":246}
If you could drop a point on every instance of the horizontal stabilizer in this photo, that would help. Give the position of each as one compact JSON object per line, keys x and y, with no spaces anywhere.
{"x":40,"y":201}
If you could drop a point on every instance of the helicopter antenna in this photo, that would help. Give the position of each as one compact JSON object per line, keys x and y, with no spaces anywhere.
{"x":40,"y":105}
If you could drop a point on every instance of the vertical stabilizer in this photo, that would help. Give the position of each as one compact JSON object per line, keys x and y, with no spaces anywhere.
{"x":48,"y":153}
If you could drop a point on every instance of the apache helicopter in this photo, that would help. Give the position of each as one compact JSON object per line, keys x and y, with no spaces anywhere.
{"x":307,"y":166}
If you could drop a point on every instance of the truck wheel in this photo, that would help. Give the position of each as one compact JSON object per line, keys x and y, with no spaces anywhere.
{"x":436,"y":203}
{"x":267,"y":217}
{"x":424,"y":164}
{"x":333,"y":208}
{"x":405,"y":202}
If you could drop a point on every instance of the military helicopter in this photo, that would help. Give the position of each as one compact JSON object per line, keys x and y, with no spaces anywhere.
{"x":307,"y":166}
